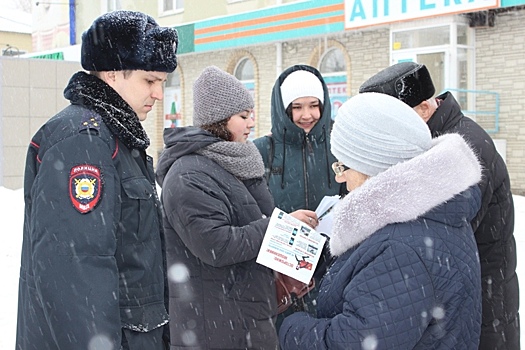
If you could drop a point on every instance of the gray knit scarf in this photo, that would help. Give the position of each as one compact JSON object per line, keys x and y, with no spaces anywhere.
{"x":243,"y":160}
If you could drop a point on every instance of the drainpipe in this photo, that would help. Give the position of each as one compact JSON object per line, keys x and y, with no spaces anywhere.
{"x":278,"y":51}
{"x":278,"y":58}
{"x":72,"y":23}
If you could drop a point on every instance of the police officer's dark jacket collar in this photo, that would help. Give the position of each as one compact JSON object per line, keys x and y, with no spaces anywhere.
{"x":93,"y":93}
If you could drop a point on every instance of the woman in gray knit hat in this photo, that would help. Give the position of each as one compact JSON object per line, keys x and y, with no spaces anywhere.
{"x":216,"y":210}
{"x":406,"y":273}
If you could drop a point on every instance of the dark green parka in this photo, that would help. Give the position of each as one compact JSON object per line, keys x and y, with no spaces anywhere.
{"x":300,"y":174}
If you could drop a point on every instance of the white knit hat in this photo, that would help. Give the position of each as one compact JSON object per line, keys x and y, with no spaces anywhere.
{"x":301,"y":83}
{"x":373,"y":131}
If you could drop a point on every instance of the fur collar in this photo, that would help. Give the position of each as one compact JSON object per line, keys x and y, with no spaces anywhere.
{"x":93,"y":93}
{"x":405,"y":191}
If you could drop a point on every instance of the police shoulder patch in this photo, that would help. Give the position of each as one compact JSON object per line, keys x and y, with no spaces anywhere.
{"x":85,"y":187}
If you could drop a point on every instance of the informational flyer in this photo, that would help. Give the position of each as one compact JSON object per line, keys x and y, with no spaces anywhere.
{"x":325,"y":214}
{"x":291,"y":247}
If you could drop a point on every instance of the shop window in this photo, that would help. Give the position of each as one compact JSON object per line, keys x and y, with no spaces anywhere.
{"x":421,"y":37}
{"x":244,"y":71}
{"x":111,"y":5}
{"x":333,"y":69}
{"x":172,"y":5}
{"x":333,"y":62}
{"x":172,"y":101}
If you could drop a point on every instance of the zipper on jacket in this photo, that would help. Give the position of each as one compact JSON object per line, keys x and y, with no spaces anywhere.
{"x":307,"y":147}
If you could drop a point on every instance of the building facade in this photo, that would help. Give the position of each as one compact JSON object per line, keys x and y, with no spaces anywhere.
{"x":15,"y":32}
{"x":473,"y":48}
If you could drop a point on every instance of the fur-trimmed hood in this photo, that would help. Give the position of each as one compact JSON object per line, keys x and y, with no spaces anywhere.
{"x":406,"y":191}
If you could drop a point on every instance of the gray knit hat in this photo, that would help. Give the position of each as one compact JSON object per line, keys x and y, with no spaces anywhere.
{"x":218,"y":95}
{"x":373,"y":131}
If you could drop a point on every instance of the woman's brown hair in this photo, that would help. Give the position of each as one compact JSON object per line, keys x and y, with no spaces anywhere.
{"x":219,"y":129}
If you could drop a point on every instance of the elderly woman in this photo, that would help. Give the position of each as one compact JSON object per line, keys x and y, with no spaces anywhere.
{"x":216,"y":207}
{"x":406,"y":274}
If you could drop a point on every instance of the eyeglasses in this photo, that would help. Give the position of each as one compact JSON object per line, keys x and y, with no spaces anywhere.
{"x":339,"y":168}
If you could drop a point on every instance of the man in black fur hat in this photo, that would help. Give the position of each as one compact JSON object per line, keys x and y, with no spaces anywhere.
{"x":494,"y":224}
{"x":93,"y":270}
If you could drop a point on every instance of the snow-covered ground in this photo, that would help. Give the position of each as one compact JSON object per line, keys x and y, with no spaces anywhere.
{"x":12,"y":217}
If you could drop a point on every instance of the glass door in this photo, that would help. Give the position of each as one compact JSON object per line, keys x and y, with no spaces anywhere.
{"x":435,"y":63}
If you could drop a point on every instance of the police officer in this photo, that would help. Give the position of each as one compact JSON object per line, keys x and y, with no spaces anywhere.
{"x":93,"y":265}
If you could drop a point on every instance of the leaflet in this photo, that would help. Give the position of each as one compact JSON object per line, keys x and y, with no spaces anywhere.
{"x":291,"y":247}
{"x":325,"y":214}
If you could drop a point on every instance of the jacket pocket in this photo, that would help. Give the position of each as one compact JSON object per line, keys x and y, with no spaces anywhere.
{"x":138,"y":210}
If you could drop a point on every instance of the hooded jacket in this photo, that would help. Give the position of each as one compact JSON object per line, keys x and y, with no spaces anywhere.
{"x":93,"y":259}
{"x":214,"y":225}
{"x":300,"y":174}
{"x":407,"y":273}
{"x":493,"y":228}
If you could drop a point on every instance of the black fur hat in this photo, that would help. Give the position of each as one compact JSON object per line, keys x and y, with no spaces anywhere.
{"x":408,"y":81}
{"x":128,"y":40}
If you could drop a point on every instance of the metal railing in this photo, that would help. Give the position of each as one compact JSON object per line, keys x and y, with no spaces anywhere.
{"x":486,"y":107}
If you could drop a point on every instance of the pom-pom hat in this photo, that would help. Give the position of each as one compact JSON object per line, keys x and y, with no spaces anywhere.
{"x":301,"y":83}
{"x":218,"y":95}
{"x":408,"y":81}
{"x":128,"y":40}
{"x":374,"y":131}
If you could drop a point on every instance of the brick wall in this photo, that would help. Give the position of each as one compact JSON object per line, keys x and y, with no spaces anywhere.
{"x":500,"y":62}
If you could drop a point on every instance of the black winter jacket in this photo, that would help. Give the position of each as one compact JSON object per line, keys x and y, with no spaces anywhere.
{"x":220,"y":298}
{"x":493,"y":228}
{"x":93,"y":259}
{"x":407,"y":273}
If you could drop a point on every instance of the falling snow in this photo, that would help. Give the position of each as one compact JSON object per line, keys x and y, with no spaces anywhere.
{"x":12,"y":216}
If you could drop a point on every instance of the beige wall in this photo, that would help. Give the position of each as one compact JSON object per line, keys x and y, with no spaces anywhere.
{"x":31,"y":92}
{"x":196,"y":10}
{"x":20,"y":41}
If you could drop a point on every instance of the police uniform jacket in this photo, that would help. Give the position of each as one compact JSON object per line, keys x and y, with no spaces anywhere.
{"x":92,"y":256}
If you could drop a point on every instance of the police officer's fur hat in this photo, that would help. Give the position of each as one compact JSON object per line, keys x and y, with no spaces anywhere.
{"x":408,"y":81}
{"x":128,"y":40}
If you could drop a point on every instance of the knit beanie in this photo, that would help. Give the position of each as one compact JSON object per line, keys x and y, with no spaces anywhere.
{"x":373,"y":131}
{"x":408,"y":81}
{"x":218,"y":95}
{"x":301,"y":83}
{"x":128,"y":40}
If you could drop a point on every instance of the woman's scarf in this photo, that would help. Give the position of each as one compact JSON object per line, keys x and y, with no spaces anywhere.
{"x":243,"y":160}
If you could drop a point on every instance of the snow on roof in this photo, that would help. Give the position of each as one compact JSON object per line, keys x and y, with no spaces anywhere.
{"x":16,"y":21}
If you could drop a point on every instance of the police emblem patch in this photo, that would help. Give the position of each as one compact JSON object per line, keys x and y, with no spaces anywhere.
{"x":84,"y":187}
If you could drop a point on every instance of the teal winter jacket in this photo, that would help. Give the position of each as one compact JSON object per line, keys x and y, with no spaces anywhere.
{"x":300,"y":174}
